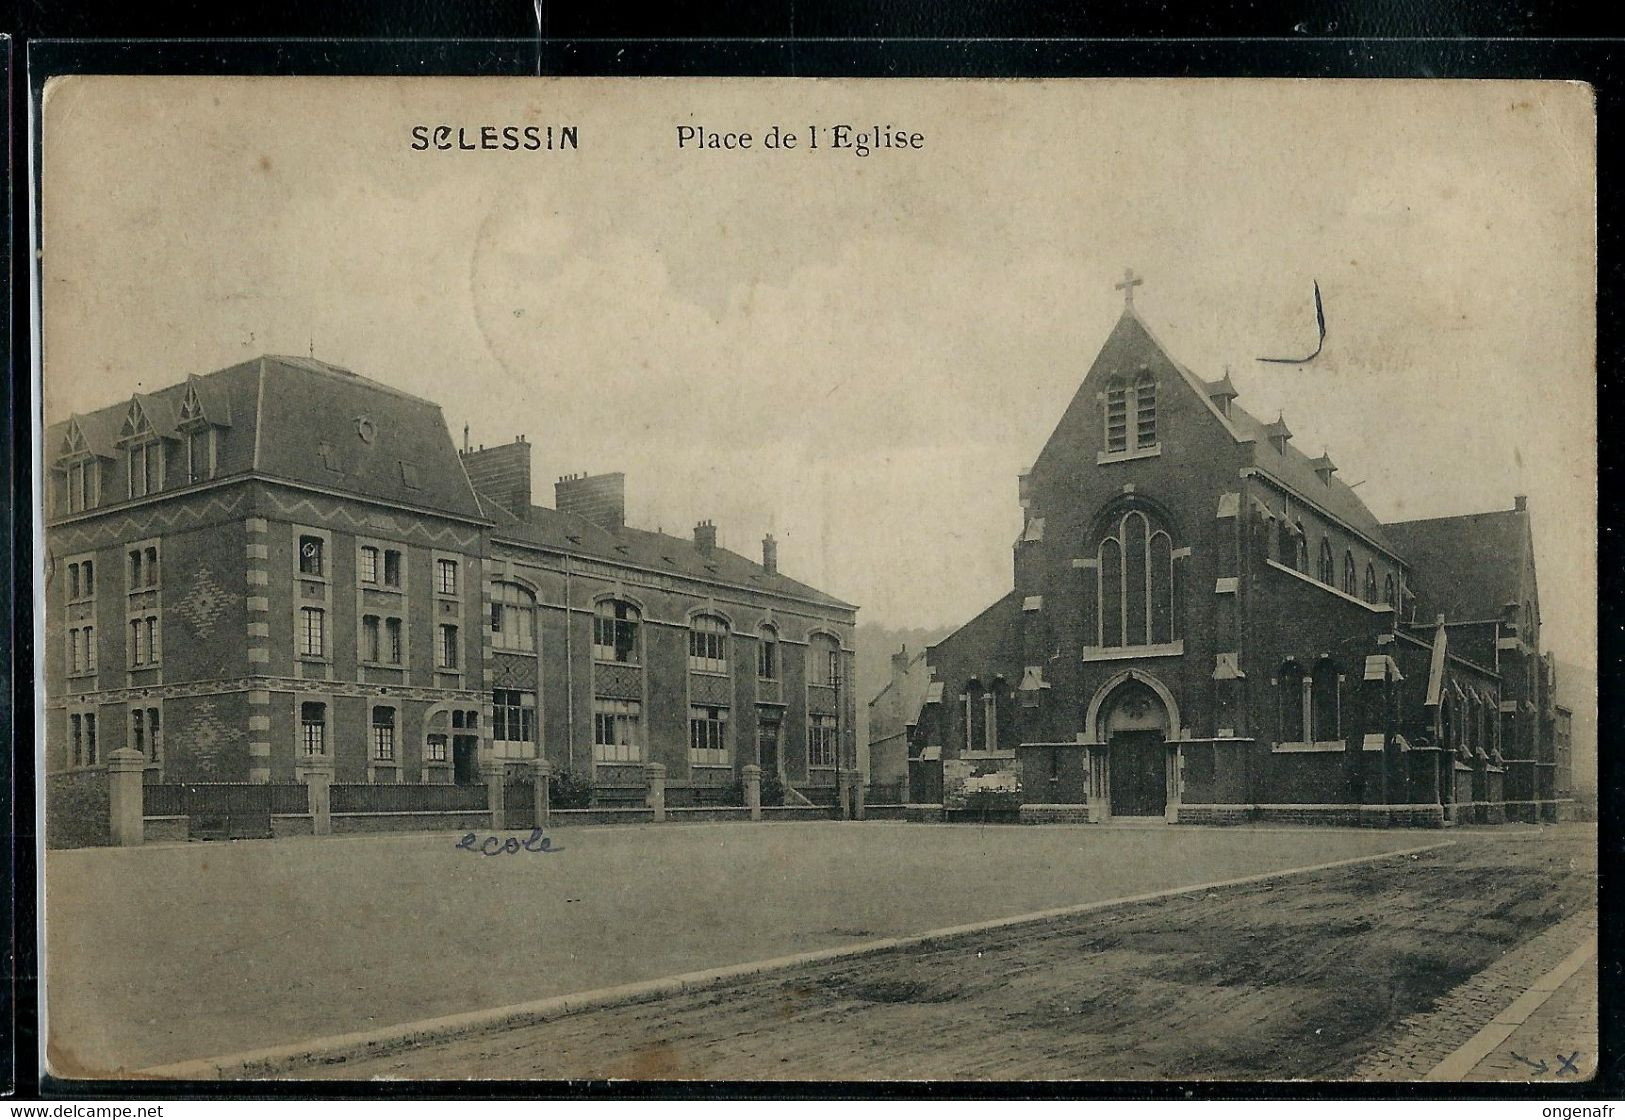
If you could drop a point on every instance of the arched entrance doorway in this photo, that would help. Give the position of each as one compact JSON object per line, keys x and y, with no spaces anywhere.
{"x":1133,"y":723}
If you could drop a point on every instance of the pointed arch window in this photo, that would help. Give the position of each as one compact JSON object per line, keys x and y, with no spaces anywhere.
{"x":1131,"y":413}
{"x":1388,"y":595}
{"x":1145,"y":410}
{"x":1300,"y":549}
{"x":1349,"y":585}
{"x":1370,"y":584}
{"x":1117,"y":403}
{"x":1325,"y":702}
{"x":1324,"y":570}
{"x":1135,"y":585}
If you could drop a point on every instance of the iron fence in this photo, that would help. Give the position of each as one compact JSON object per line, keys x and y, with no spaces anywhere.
{"x":360,"y":797}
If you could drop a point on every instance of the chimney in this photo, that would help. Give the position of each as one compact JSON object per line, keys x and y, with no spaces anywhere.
{"x":502,"y":473}
{"x":770,"y":555}
{"x":1521,"y":502}
{"x":705,"y":536}
{"x":899,"y":662}
{"x":599,"y":498}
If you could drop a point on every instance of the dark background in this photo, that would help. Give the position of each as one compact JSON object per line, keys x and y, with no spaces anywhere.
{"x":1495,"y":39}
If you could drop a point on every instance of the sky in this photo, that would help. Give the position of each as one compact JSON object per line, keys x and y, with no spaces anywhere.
{"x":860,"y":354}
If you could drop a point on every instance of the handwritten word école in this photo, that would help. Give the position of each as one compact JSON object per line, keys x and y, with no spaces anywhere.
{"x":537,"y":841}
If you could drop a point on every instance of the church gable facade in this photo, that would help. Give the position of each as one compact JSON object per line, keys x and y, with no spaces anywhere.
{"x":1206,"y":624}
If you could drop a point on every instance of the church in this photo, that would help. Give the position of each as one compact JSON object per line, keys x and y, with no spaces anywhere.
{"x":1208,"y":625}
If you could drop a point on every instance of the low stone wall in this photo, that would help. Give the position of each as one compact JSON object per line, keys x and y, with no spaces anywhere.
{"x":885,"y":812}
{"x":797,"y":812}
{"x":473,"y":821}
{"x":706,"y":813}
{"x":293,"y":824}
{"x":1055,"y":814}
{"x":603,"y":816}
{"x":165,"y":829}
{"x":923,"y":814}
{"x":1342,"y":816}
{"x":76,"y":809}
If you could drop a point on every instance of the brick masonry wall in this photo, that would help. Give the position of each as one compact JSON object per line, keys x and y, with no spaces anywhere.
{"x":76,"y":809}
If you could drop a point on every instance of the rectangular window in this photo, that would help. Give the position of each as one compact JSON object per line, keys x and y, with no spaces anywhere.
{"x":383,"y":734}
{"x":615,"y":633}
{"x":312,"y":632}
{"x":75,"y":658}
{"x":73,"y":582}
{"x":138,"y":730}
{"x":616,"y":731}
{"x":392,"y":641}
{"x":513,"y":625}
{"x":513,"y":715}
{"x":767,"y":658}
{"x":821,"y":741}
{"x":313,"y":728}
{"x":151,"y":625}
{"x":81,"y":650}
{"x":437,"y":748}
{"x":310,"y":557}
{"x":138,"y":642}
{"x":368,"y":564}
{"x":392,"y":567}
{"x":200,"y":455}
{"x":137,"y":463}
{"x":446,"y":576}
{"x":76,"y":488}
{"x":83,"y":726}
{"x":155,"y":733}
{"x":708,"y":645}
{"x":371,"y":632}
{"x":448,"y":646}
{"x":708,"y":735}
{"x":135,"y":575}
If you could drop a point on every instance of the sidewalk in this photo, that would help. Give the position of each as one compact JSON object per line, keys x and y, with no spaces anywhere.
{"x":1558,"y":1040}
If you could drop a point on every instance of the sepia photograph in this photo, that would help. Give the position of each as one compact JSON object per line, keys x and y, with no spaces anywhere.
{"x":778,"y":580}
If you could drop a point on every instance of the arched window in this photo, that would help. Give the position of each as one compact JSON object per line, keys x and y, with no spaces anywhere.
{"x":824,"y":653}
{"x":1116,"y":415}
{"x":1324,"y":571}
{"x":1300,"y":549}
{"x":1145,"y":410}
{"x":615,"y":631}
{"x":513,"y":617}
{"x":975,"y":716}
{"x":767,"y":653}
{"x":1004,"y":736}
{"x":1292,"y":693}
{"x":1325,"y":702}
{"x":1349,"y":585}
{"x":708,"y":644}
{"x":1388,"y":591}
{"x":1370,"y":584}
{"x":1135,"y":588}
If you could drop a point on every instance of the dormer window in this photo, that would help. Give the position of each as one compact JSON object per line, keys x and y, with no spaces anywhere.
{"x":144,"y":455}
{"x":201,"y":434}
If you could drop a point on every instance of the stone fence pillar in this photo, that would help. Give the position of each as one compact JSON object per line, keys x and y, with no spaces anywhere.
{"x":858,"y":797}
{"x":753,"y":790}
{"x":319,"y":792}
{"x":843,"y":793}
{"x":126,"y":814}
{"x":654,"y":773}
{"x":494,"y":779}
{"x":542,"y":769}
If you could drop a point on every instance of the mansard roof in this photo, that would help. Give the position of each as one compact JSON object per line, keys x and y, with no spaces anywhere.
{"x":554,"y":530}
{"x":1467,"y":567}
{"x":287,"y":409}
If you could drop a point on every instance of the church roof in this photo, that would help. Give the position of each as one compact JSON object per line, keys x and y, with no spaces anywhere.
{"x":1289,"y":466}
{"x":1467,"y":567}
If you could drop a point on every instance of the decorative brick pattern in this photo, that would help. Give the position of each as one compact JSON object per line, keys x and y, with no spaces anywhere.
{"x":212,"y":741}
{"x":203,"y":602}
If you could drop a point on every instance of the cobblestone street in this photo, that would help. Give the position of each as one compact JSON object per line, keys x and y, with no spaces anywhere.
{"x":1290,"y":978}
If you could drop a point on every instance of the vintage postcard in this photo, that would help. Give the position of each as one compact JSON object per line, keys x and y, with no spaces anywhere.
{"x":818,"y":580}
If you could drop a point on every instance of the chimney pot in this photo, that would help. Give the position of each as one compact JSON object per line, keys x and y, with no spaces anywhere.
{"x":770,"y":555}
{"x":705,"y":536}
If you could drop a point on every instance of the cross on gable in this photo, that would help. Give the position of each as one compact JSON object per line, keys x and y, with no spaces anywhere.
{"x":1127,"y":286}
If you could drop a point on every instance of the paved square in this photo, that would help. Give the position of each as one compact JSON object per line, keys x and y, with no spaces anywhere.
{"x":167,"y":953}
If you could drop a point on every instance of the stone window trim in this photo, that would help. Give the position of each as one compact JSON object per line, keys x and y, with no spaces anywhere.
{"x":768,"y":664}
{"x":389,"y":769}
{"x":439,"y":562}
{"x":325,"y":699}
{"x":79,"y":578}
{"x":145,"y":727}
{"x":710,"y":634}
{"x":1152,"y":452}
{"x":79,"y":651}
{"x":508,"y":595}
{"x":83,"y":753}
{"x":624,"y":613}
